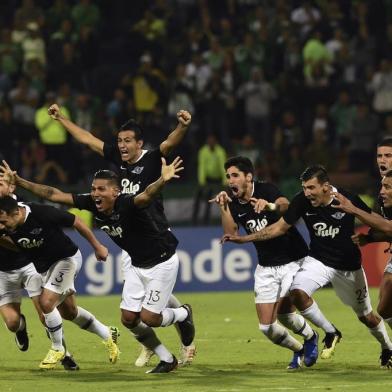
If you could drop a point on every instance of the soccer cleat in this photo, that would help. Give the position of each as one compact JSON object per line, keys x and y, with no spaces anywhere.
{"x":21,"y":337}
{"x":186,"y":327}
{"x":386,"y":359}
{"x":330,"y":341}
{"x":111,"y":344}
{"x":164,"y":367}
{"x":311,"y":350}
{"x":144,"y":357}
{"x":69,"y":363}
{"x":296,"y":362}
{"x":53,"y":357}
{"x":187,"y":354}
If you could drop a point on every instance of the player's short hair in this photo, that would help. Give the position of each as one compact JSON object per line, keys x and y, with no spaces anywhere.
{"x":388,"y":174}
{"x":132,"y":125}
{"x":243,"y":164}
{"x":109,"y":175}
{"x":8,"y":204}
{"x":385,"y":142}
{"x":315,"y":171}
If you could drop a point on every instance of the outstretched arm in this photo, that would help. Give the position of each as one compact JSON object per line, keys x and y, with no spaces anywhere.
{"x":176,"y":136}
{"x":80,"y":134}
{"x":101,"y":252}
{"x":228,"y":223}
{"x":275,"y":230}
{"x":373,"y":220}
{"x":167,"y":173}
{"x":43,"y":191}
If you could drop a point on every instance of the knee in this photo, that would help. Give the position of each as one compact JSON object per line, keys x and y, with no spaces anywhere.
{"x":46,"y":305}
{"x":12,"y":322}
{"x":274,"y":332}
{"x":151,"y":319}
{"x":68,"y":313}
{"x":129,"y":319}
{"x":370,"y":320}
{"x":300,"y":299}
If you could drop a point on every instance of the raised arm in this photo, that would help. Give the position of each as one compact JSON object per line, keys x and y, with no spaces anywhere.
{"x":373,"y":220}
{"x":167,"y":173}
{"x":228,"y":223}
{"x":275,"y":230}
{"x":176,"y":136}
{"x":101,"y":252}
{"x":80,"y":134}
{"x":43,"y":191}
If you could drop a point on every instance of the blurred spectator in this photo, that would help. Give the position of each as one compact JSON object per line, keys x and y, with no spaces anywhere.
{"x":363,"y":139}
{"x":211,"y":175}
{"x":58,"y":12}
{"x":306,"y":17}
{"x":10,"y":54}
{"x":287,"y":133}
{"x":247,"y":147}
{"x":319,"y":151}
{"x":33,"y":46}
{"x":28,"y":12}
{"x":115,"y":109}
{"x":85,"y":13}
{"x":381,"y":86}
{"x":258,"y":95}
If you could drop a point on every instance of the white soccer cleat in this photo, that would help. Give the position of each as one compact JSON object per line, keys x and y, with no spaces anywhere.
{"x":187,"y":354}
{"x":144,"y":357}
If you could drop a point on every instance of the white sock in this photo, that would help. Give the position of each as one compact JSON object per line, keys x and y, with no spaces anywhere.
{"x":54,"y":325}
{"x":389,"y":321}
{"x":296,"y":323}
{"x":85,"y":320}
{"x":173,"y":303}
{"x":280,"y":336}
{"x":380,"y":333}
{"x":163,"y":353}
{"x":171,"y":316}
{"x":313,"y":314}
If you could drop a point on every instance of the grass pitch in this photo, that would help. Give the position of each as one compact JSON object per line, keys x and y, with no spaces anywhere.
{"x":233,"y":356}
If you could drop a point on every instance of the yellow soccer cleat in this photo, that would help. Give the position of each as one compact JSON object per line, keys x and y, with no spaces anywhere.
{"x":330,"y":341}
{"x":53,"y":357}
{"x":111,"y":344}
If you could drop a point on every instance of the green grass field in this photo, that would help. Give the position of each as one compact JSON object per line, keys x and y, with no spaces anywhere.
{"x":232,"y":354}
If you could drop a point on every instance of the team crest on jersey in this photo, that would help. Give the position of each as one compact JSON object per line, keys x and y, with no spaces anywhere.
{"x":138,"y":169}
{"x":338,"y":215}
{"x":36,"y":231}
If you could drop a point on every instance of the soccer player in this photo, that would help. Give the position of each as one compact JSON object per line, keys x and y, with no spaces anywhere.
{"x":254,"y":205}
{"x":18,"y":273}
{"x":150,"y":278}
{"x":37,"y":231}
{"x":333,"y":257}
{"x":137,"y":168}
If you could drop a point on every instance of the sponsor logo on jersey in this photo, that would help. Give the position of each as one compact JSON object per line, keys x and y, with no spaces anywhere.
{"x":256,"y":224}
{"x":138,"y":169}
{"x":113,"y":231}
{"x":321,"y":229}
{"x":36,"y":231}
{"x":129,"y":187}
{"x":338,"y":215}
{"x":27,"y":243}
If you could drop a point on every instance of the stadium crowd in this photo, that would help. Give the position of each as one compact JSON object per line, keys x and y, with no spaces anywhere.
{"x":287,"y":83}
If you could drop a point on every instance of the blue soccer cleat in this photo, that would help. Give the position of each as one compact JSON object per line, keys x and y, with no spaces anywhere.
{"x":311,"y":350}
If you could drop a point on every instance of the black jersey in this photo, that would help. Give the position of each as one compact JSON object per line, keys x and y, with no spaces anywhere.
{"x":12,"y":260}
{"x":330,"y":231}
{"x":277,"y":251}
{"x":137,"y":176}
{"x":133,"y":229}
{"x":41,"y":237}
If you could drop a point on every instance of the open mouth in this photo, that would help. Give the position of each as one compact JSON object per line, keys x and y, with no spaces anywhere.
{"x":98,"y":203}
{"x":234,"y":189}
{"x":124,"y":153}
{"x":383,"y":168}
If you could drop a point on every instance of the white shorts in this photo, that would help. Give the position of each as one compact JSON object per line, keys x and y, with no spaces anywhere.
{"x":149,"y":288}
{"x":60,"y":277}
{"x":388,"y":267}
{"x":273,"y":283}
{"x":350,"y":286}
{"x":126,"y":262}
{"x":13,"y":282}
